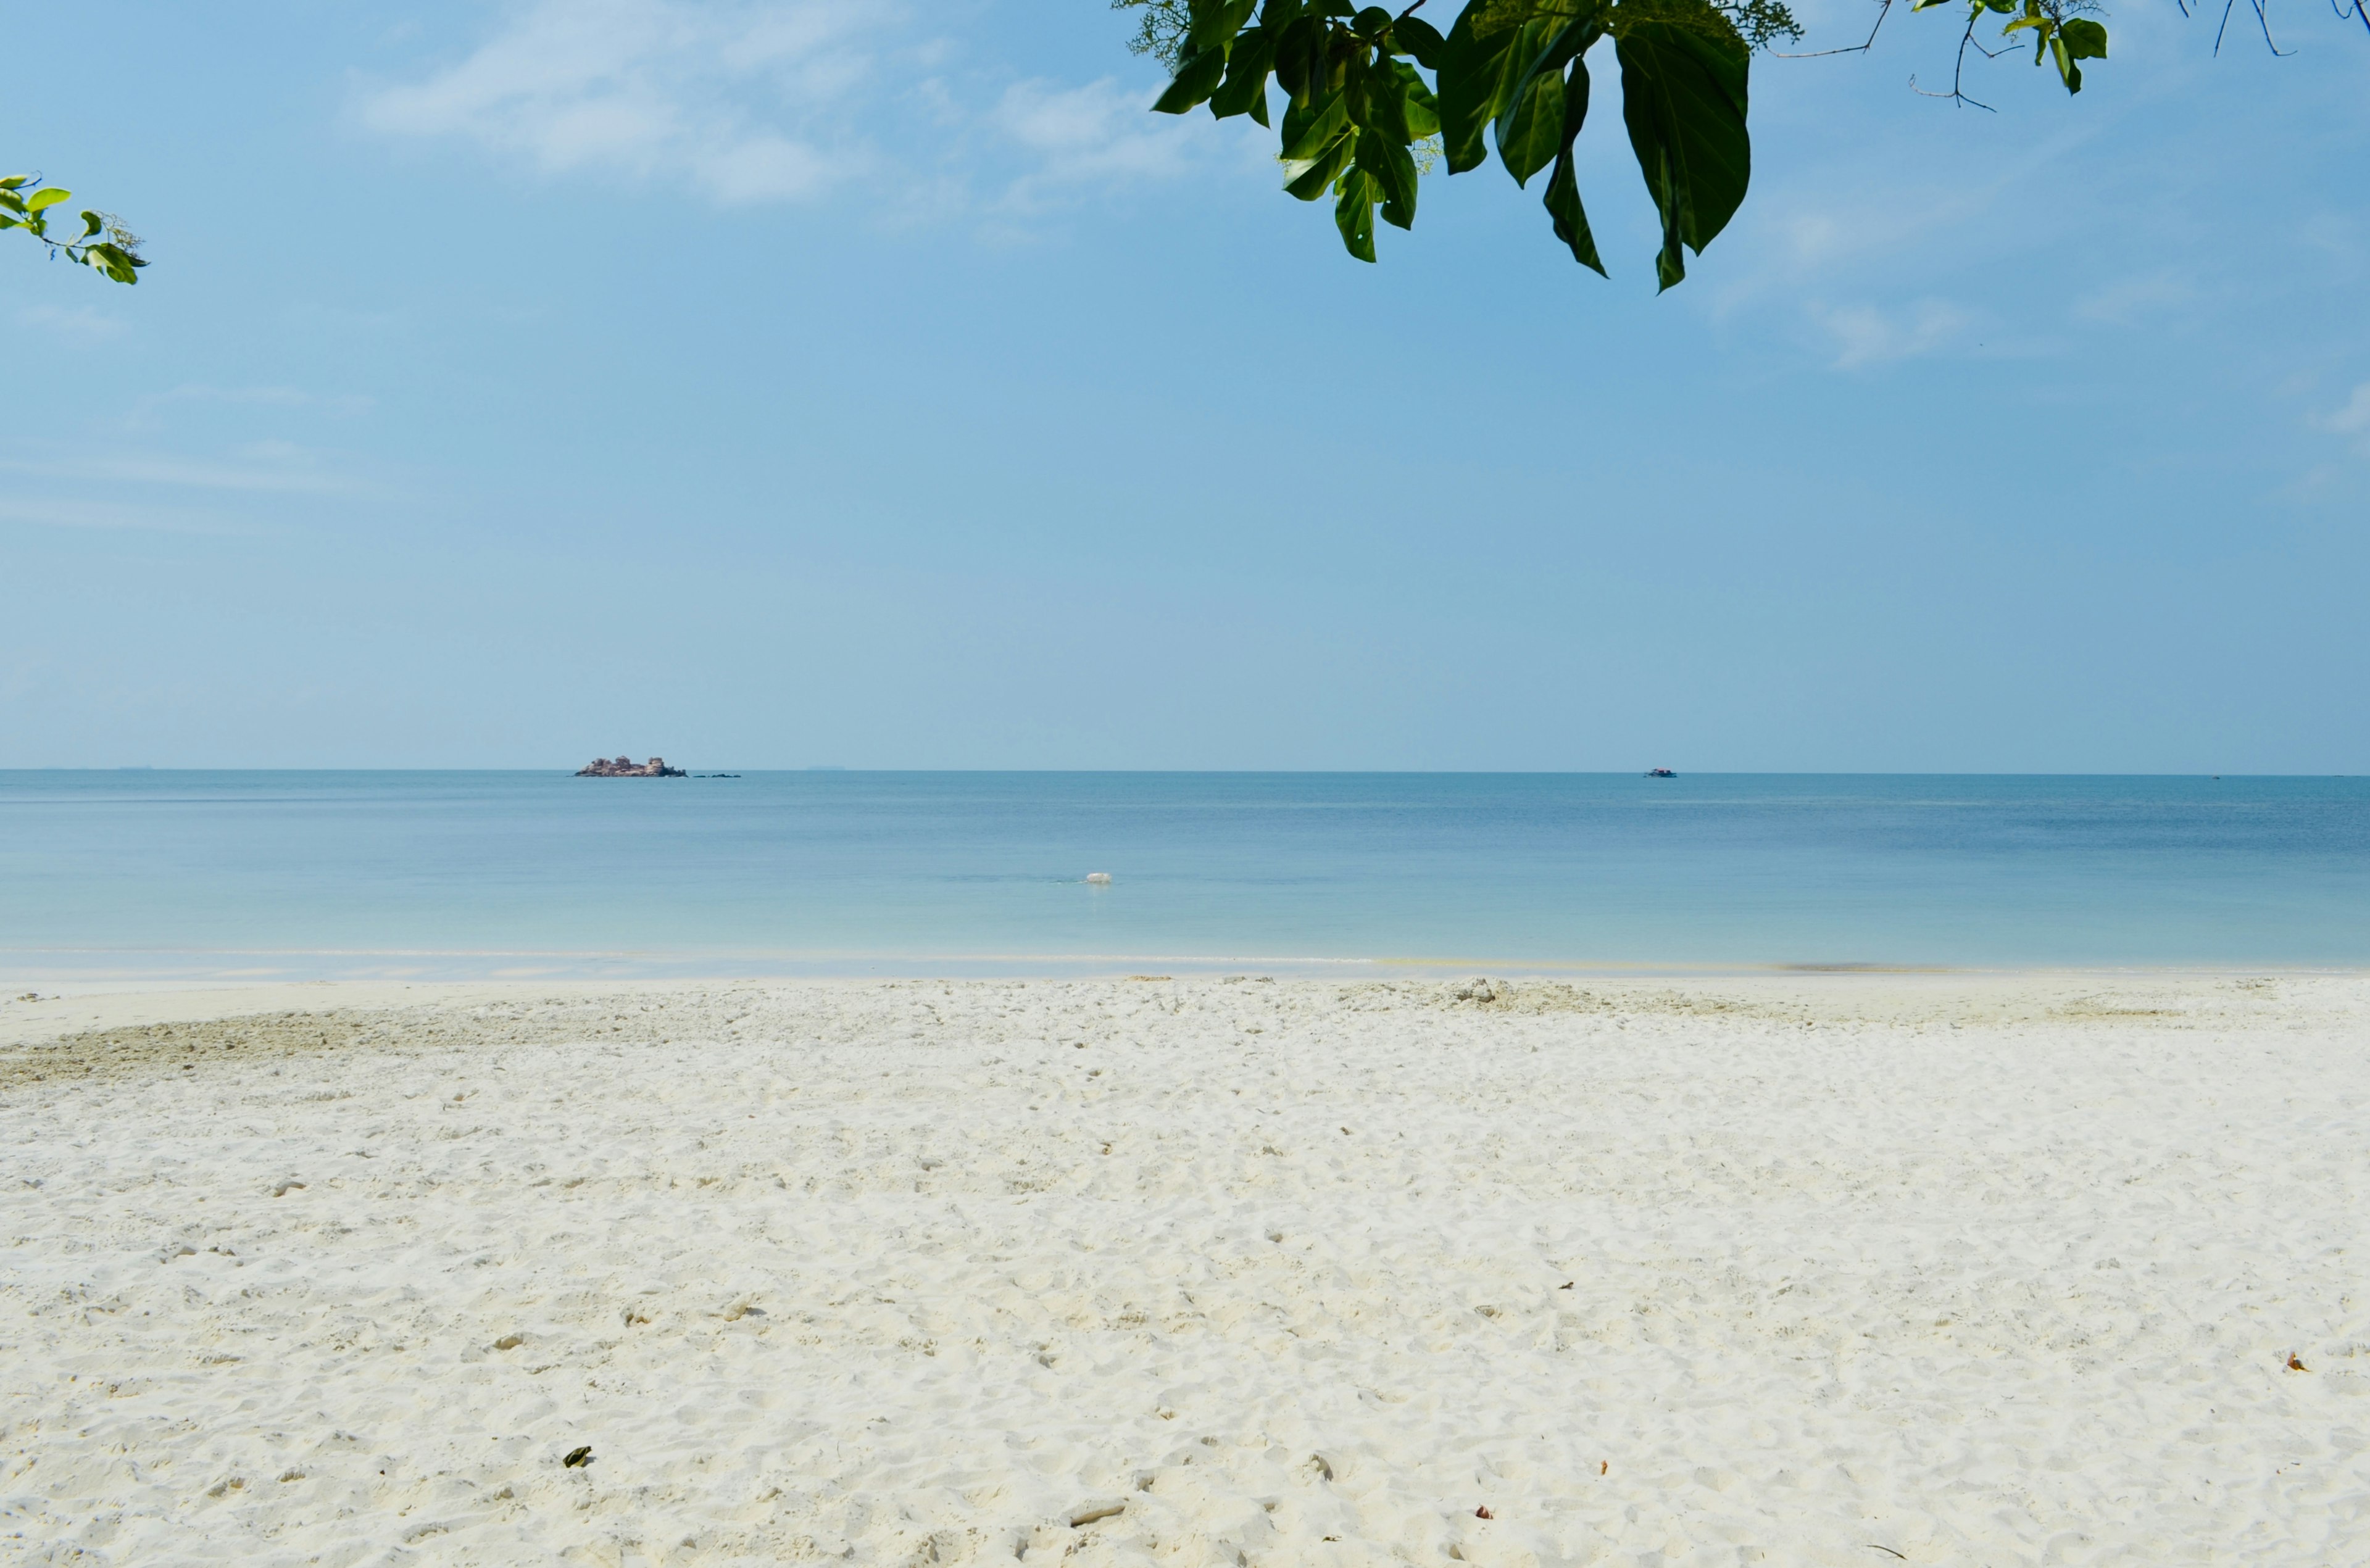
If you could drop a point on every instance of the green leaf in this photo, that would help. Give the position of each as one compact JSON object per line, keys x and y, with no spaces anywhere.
{"x":1376,"y":97}
{"x":1418,"y":107}
{"x":1307,"y":181}
{"x":7,"y":223}
{"x":47,"y":197}
{"x":1298,"y":51}
{"x":1683,"y":94}
{"x":1309,"y":129}
{"x":1372,"y":22}
{"x":1419,"y":37}
{"x":1571,"y":218}
{"x":113,"y":262}
{"x":2085,"y":40}
{"x":91,"y":224}
{"x":1501,"y":16}
{"x":1245,"y":89}
{"x":1392,"y":168}
{"x":1353,"y":214}
{"x":1216,"y":23}
{"x":1563,"y":185}
{"x":2080,"y":39}
{"x":1528,"y":130}
{"x":15,"y":181}
{"x":1476,"y":76}
{"x":1197,"y":78}
{"x":2067,"y":71}
{"x":10,"y":199}
{"x":1531,"y":126}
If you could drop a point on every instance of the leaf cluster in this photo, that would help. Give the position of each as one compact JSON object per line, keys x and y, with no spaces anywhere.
{"x":2061,"y":30}
{"x":1160,"y":29}
{"x":1509,"y":77}
{"x":1763,"y":24}
{"x":1372,"y":96}
{"x":116,"y":256}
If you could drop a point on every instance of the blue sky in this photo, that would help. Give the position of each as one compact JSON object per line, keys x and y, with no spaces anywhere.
{"x":789,"y":382}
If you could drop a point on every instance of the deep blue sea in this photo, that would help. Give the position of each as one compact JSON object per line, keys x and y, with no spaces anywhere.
{"x":213,"y":875}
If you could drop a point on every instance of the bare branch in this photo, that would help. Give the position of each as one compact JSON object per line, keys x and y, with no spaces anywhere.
{"x":2263,"y":20}
{"x":1883,"y":10}
{"x":1959,"y":71}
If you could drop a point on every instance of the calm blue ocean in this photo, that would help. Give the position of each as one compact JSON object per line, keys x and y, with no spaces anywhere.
{"x":473,"y":873}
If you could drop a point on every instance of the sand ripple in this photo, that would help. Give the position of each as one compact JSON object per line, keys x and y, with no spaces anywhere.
{"x":1839,"y":1270}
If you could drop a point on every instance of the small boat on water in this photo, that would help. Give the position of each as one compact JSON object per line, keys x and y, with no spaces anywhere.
{"x":1661,"y":773}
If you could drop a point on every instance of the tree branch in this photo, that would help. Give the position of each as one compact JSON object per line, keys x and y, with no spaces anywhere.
{"x":1958,"y":70}
{"x":1869,"y":42}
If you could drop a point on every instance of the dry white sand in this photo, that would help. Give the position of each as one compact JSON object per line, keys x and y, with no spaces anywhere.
{"x":1823,"y":1270}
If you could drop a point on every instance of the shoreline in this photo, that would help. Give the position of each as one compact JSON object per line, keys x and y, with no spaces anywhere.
{"x":33,"y":1012}
{"x":22,"y":971}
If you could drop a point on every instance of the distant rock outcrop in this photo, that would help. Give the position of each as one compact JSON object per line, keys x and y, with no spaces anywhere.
{"x":627,"y":768}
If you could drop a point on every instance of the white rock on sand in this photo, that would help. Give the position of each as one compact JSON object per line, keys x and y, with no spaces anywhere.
{"x":1831,"y":1270}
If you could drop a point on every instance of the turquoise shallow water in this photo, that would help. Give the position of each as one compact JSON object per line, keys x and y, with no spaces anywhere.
{"x":141,"y":874}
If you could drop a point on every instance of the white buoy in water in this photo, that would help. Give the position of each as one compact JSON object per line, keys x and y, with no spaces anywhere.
{"x":1097,"y":875}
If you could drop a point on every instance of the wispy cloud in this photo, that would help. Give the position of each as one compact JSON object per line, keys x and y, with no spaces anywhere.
{"x":1915,"y":234}
{"x":2141,"y":296}
{"x":1801,"y":249}
{"x":1099,"y":133}
{"x":151,"y":408}
{"x":266,"y":467}
{"x":2353,"y":419}
{"x":785,"y":101}
{"x":71,"y":511}
{"x":1867,"y":335}
{"x":734,"y":96}
{"x":76,"y":324}
{"x":273,"y":396}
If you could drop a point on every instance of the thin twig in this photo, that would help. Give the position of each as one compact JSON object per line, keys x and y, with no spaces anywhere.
{"x":2263,"y":18}
{"x":1884,"y":11}
{"x":1958,"y":70}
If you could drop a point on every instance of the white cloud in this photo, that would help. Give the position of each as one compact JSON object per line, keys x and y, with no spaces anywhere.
{"x":735,"y":96}
{"x":74,"y":511}
{"x":1868,"y":335}
{"x":269,"y":466}
{"x":754,"y":101}
{"x":1100,"y":133}
{"x":767,"y":168}
{"x":2354,"y":419}
{"x":2127,"y":300}
{"x":1806,"y":236}
{"x":265,"y":396}
{"x":78,"y":324}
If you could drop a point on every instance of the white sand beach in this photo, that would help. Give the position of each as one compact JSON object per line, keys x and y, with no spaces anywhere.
{"x":1857,"y":1270}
